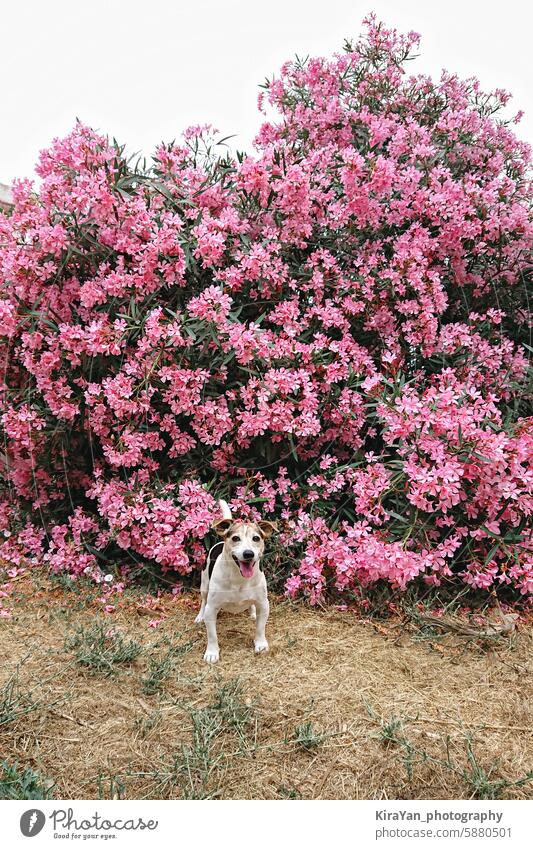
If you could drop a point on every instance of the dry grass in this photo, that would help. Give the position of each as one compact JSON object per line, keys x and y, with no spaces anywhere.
{"x":339,"y":708}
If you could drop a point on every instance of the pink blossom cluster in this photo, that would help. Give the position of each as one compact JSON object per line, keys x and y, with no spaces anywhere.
{"x":331,"y":330}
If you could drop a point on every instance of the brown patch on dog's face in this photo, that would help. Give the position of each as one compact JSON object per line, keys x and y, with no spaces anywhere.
{"x":267,"y":528}
{"x":221,"y":526}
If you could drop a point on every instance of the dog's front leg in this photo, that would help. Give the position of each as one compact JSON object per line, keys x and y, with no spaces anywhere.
{"x":201,"y":613}
{"x":204,"y":590}
{"x":262,"y":609}
{"x":210,"y":618}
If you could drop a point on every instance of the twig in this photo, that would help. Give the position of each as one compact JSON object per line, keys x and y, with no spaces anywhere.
{"x":525,"y":729}
{"x":507,"y":626}
{"x":70,"y":718}
{"x":316,"y":794}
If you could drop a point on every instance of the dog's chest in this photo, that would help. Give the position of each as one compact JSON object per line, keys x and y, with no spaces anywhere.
{"x":237,"y":607}
{"x":236,"y":597}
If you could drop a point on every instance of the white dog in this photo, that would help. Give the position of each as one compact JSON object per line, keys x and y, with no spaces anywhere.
{"x":232,"y":579}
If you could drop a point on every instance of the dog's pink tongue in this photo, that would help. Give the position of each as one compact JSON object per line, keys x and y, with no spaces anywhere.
{"x":247,"y":569}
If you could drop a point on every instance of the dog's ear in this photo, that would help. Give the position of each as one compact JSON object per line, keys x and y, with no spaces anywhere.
{"x":221,"y":526}
{"x":267,"y":528}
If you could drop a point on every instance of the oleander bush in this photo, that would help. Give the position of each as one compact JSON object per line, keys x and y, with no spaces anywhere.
{"x":331,"y":330}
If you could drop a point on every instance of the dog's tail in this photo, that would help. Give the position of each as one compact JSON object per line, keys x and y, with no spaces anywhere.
{"x":226,"y":512}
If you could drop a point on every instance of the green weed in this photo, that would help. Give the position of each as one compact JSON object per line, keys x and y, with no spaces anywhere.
{"x":19,"y":783}
{"x":102,"y":649}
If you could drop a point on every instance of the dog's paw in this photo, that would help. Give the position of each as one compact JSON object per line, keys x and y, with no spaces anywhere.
{"x":199,"y":619}
{"x":260,"y":646}
{"x":212,"y":656}
{"x":253,"y":614}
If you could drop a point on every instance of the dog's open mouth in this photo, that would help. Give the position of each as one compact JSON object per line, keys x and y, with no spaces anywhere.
{"x":246,"y":567}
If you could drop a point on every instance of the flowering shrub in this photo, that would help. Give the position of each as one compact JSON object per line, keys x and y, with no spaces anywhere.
{"x":331,"y":330}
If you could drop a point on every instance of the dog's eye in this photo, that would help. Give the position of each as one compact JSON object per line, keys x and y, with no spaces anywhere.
{"x":236,"y":539}
{"x":256,"y":538}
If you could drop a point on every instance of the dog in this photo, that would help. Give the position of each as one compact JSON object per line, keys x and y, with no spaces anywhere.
{"x":232,"y":579}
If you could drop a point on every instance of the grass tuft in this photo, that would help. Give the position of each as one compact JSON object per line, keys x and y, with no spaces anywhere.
{"x":19,"y":783}
{"x":14,"y":703}
{"x":102,"y":649}
{"x":161,"y":666}
{"x":305,"y":737}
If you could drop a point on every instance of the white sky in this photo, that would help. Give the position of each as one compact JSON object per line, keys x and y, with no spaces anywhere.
{"x":143,"y":71}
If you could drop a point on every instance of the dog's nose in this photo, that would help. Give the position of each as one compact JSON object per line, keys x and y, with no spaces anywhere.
{"x":248,"y":555}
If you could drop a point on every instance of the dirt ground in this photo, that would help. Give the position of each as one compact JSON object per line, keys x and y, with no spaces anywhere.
{"x":341,"y":707}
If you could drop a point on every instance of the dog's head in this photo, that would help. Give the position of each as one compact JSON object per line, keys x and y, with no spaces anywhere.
{"x":244,"y":542}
